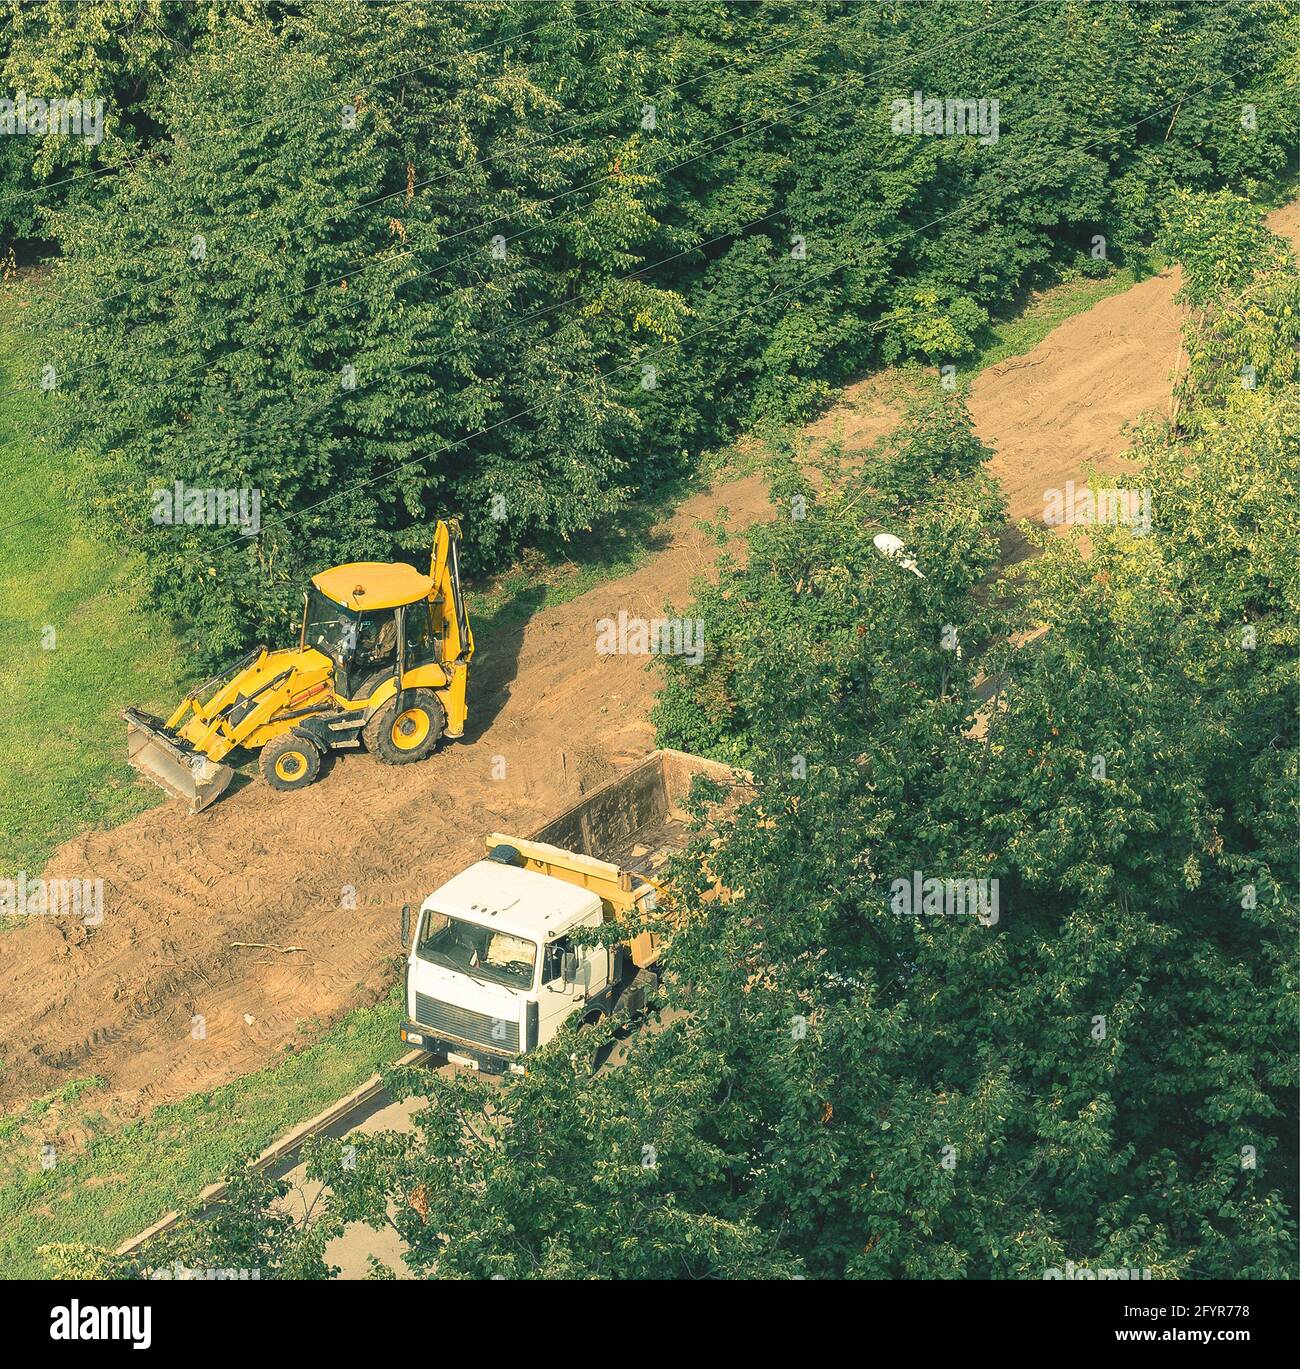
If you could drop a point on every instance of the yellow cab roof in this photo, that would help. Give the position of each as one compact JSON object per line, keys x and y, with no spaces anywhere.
{"x":373,"y":584}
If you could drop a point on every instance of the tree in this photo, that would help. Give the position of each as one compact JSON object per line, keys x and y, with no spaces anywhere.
{"x":630,"y":235}
{"x":114,"y":51}
{"x":1091,"y":1063}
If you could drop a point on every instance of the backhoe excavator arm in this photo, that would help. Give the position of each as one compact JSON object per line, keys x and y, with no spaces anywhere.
{"x":451,"y":621}
{"x":448,"y":602}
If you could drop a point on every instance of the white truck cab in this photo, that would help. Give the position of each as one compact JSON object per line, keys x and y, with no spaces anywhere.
{"x":497,"y":962}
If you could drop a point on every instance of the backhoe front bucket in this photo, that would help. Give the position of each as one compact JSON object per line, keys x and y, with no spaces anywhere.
{"x":171,"y":763}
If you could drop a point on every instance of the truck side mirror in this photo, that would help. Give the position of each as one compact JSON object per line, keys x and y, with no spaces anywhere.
{"x":570,"y":967}
{"x":406,"y":924}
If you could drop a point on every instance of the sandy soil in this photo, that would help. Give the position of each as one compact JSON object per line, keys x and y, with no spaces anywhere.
{"x":118,"y":999}
{"x":328,"y":869}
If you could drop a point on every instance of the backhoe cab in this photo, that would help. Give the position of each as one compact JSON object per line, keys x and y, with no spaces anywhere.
{"x":382,"y":660}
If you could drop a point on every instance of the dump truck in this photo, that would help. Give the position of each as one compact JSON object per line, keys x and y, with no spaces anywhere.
{"x":497,"y":960}
{"x":382,"y":661}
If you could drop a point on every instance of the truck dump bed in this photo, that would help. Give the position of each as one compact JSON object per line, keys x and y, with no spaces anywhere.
{"x":637,"y":820}
{"x":617,"y":840}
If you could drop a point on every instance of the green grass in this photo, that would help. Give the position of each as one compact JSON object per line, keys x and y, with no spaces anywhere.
{"x":121,"y":1180}
{"x":73,"y":648}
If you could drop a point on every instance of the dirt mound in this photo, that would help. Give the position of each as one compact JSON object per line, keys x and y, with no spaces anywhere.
{"x":327,"y":869}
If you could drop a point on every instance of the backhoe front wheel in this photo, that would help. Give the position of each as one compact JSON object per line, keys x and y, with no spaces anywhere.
{"x":290,"y":762}
{"x":406,"y":728}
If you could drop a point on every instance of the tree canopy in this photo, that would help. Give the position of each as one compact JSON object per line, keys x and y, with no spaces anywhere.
{"x":523,"y":263}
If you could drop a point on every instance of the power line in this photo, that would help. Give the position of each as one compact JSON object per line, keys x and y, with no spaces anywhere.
{"x":907,"y":59}
{"x":874,"y":327}
{"x":276,"y":114}
{"x":677,"y":344}
{"x":859,"y":77}
{"x":144,"y":285}
{"x":362,"y":265}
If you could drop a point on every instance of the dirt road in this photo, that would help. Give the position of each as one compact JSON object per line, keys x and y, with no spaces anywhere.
{"x":328,"y":869}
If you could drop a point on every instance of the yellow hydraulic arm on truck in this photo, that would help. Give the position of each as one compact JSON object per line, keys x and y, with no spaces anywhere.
{"x":382,"y":660}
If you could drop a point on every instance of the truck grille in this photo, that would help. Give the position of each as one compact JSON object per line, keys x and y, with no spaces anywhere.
{"x":483,"y":1029}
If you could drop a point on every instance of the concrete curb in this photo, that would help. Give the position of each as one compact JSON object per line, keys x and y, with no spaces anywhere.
{"x":278,"y":1149}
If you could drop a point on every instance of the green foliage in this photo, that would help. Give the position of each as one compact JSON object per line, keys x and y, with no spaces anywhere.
{"x":870,"y":637}
{"x":1109,"y":1067}
{"x":76,"y":1260}
{"x":252,"y":1223}
{"x":926,"y":326}
{"x":1100,"y":1068}
{"x":583,"y":1177}
{"x":1245,"y":335}
{"x":118,"y":51}
{"x":1220,"y":242}
{"x":768,"y":236}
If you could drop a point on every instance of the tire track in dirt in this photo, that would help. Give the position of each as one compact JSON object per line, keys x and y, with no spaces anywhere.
{"x":327,"y":869}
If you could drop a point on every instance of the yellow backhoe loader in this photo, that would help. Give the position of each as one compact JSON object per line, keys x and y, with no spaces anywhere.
{"x":382,"y":660}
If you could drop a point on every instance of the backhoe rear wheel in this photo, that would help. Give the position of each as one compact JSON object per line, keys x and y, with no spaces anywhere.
{"x":406,"y":728}
{"x":290,"y":762}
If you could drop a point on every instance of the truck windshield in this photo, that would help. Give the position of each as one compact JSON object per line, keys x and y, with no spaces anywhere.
{"x":478,"y":951}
